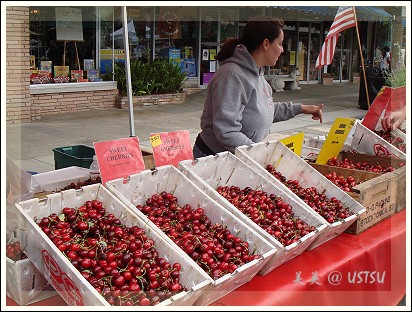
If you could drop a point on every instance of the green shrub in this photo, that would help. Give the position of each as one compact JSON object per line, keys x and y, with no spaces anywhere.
{"x":157,"y":77}
{"x":396,"y":77}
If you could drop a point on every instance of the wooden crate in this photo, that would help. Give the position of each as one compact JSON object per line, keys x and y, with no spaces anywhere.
{"x":378,"y":194}
{"x":386,"y":161}
{"x":401,"y":177}
{"x":148,"y":157}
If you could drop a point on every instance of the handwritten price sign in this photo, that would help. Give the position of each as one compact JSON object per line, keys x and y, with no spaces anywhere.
{"x":119,"y":158}
{"x":294,"y":142}
{"x":169,"y":148}
{"x":336,"y":138}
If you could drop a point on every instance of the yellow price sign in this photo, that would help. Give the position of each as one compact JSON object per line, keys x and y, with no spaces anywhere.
{"x":336,"y":138}
{"x":294,"y":143}
{"x":155,"y":140}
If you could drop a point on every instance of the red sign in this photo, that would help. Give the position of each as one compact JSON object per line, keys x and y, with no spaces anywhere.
{"x":397,"y":100}
{"x":388,"y":99}
{"x":377,"y":108}
{"x":119,"y":158}
{"x":169,"y":148}
{"x":61,"y":281}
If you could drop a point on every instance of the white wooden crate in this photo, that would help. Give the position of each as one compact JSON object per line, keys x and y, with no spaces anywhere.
{"x":367,"y":142}
{"x":290,"y":165}
{"x":64,"y":277}
{"x":25,"y":284}
{"x":227,"y":169}
{"x":138,"y":187}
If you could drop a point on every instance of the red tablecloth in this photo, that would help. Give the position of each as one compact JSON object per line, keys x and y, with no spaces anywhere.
{"x":350,"y":270}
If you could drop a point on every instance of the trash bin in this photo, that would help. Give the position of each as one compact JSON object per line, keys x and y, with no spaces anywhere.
{"x":77,"y":155}
{"x":375,"y":81}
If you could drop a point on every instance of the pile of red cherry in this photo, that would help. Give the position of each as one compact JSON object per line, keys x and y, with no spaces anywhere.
{"x":14,"y":252}
{"x":78,"y":185}
{"x":339,"y":180}
{"x":216,"y":250}
{"x":350,"y":164}
{"x":396,"y":141}
{"x":331,"y":209}
{"x":270,"y":212}
{"x":120,"y":262}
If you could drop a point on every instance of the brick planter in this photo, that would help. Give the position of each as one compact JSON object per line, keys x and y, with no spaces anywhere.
{"x":156,"y":99}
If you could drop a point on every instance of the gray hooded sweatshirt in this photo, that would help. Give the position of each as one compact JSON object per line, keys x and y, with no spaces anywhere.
{"x":239,"y":107}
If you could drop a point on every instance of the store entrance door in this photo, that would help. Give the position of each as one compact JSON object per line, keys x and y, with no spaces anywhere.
{"x":342,"y":59}
{"x":215,"y":28}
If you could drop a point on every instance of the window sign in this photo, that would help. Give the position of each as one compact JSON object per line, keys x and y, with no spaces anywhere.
{"x":69,"y":25}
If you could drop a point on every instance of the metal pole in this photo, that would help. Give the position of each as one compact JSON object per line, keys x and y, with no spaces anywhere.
{"x":128,"y":74}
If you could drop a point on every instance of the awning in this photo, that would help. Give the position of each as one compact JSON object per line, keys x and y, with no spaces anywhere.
{"x":363,"y":13}
{"x":372,"y":14}
{"x":324,"y":10}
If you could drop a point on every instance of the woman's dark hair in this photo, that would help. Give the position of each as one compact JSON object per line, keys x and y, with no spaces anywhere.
{"x":256,"y":30}
{"x":384,"y":50}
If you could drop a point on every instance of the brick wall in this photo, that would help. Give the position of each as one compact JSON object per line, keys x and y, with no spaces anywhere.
{"x":17,"y":65}
{"x":57,"y":103}
{"x":155,"y":99}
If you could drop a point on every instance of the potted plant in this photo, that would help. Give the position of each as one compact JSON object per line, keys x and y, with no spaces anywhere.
{"x":160,"y":81}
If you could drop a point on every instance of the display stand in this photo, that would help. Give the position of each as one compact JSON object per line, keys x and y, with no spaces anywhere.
{"x":77,"y":53}
{"x":381,"y":248}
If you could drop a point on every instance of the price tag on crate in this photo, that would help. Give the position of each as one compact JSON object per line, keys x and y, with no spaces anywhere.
{"x":336,"y":138}
{"x":294,"y":142}
{"x":169,"y":148}
{"x":119,"y":158}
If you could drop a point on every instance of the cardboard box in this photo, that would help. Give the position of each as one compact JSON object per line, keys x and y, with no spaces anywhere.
{"x":138,"y":187}
{"x":290,"y":165}
{"x":64,"y":277}
{"x":223,"y":169}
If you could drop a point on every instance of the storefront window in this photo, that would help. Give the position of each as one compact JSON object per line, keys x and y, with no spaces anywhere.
{"x":314,"y":49}
{"x":287,"y":60}
{"x":139,"y":28}
{"x":176,"y":36}
{"x":302,"y":54}
{"x":62,"y":44}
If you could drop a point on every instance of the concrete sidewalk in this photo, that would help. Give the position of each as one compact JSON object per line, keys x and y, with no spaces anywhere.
{"x":30,"y":144}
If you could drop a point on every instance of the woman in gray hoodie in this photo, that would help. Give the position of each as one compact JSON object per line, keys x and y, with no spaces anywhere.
{"x":239,"y":107}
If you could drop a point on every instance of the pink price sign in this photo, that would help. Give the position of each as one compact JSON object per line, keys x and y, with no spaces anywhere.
{"x":169,"y":148}
{"x":119,"y":158}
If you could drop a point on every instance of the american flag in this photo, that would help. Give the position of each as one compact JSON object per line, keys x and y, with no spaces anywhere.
{"x":344,"y":19}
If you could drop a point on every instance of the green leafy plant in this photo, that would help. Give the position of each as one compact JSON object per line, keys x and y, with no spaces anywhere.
{"x":157,"y":77}
{"x":396,"y":77}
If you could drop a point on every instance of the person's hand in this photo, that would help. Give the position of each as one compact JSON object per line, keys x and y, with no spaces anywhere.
{"x":394,"y":119}
{"x":315,"y":110}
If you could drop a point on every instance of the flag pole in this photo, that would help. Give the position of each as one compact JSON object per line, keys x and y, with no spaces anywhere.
{"x":362,"y":61}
